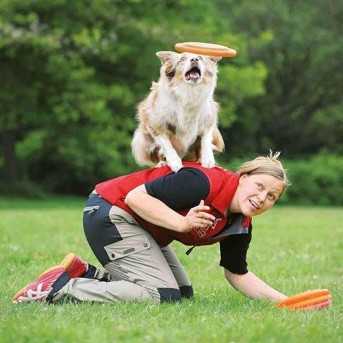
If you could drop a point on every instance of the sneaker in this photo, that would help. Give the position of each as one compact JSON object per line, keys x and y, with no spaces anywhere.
{"x":52,"y":280}
{"x":45,"y":287}
{"x":74,"y":265}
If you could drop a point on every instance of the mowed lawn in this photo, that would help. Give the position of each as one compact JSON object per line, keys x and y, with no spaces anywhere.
{"x":293,"y":248}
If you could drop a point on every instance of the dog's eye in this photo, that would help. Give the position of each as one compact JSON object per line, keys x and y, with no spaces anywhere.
{"x":170,"y":74}
{"x":182,"y":59}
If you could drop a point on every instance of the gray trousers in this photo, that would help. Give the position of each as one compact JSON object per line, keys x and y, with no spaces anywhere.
{"x":139,"y":268}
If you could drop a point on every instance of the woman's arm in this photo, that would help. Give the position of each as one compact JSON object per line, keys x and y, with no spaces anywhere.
{"x":156,"y":212}
{"x":253,"y":287}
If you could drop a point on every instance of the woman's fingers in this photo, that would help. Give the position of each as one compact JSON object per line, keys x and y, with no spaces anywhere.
{"x":208,"y":216}
{"x":199,"y":222}
{"x":201,"y":206}
{"x":205,"y":216}
{"x":204,"y":219}
{"x":202,"y":210}
{"x":204,"y":223}
{"x":198,"y":216}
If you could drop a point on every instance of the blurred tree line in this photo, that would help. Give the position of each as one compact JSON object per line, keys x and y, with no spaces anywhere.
{"x":72,"y":73}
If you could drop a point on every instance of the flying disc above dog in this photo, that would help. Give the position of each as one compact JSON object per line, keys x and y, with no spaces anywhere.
{"x":207,"y":49}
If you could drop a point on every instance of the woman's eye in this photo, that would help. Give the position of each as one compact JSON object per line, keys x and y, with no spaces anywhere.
{"x":259,"y":186}
{"x":271,"y":197}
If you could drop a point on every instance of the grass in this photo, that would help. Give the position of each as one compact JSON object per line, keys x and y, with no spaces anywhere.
{"x":293,"y":249}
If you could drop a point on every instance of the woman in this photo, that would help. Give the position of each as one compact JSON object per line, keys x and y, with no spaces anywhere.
{"x":129,"y":222}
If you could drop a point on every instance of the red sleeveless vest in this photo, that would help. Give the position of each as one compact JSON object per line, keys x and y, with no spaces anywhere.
{"x":223,"y":185}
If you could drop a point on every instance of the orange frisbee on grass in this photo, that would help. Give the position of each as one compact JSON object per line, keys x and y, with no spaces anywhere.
{"x":310,"y":300}
{"x":208,"y":49}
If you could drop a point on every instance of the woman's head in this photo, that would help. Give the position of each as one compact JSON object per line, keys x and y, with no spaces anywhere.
{"x":262,"y":182}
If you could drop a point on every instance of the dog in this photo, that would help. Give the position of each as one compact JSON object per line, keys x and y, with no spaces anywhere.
{"x":178,"y":119}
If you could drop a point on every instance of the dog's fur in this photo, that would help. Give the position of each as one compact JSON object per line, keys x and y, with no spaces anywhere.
{"x":178,"y":119}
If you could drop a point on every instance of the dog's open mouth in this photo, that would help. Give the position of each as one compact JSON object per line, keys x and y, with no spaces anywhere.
{"x":193,"y":74}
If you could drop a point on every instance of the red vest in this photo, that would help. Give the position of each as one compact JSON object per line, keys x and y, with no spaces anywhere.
{"x":223,"y":185}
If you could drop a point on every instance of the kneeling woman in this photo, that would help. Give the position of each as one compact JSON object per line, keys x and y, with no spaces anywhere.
{"x":130,"y":221}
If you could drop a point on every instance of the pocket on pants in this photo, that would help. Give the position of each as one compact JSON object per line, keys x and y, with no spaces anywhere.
{"x":91,"y":209}
{"x":127,"y":246}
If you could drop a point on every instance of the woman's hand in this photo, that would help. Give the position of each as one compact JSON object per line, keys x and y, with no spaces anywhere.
{"x":198,"y":218}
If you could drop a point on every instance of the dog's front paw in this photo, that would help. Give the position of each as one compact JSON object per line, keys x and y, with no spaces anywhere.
{"x":161,"y":164}
{"x":208,"y":161}
{"x":175,"y":164}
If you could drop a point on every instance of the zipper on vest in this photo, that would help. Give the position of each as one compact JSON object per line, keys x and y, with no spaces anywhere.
{"x":190,"y":250}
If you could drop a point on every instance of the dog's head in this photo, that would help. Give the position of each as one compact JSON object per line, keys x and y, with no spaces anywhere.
{"x":189,"y":68}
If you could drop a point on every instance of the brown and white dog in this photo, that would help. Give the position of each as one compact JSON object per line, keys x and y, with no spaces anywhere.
{"x":178,"y":119}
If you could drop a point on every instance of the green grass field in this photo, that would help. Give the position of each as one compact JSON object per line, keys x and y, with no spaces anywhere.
{"x":293,"y":249}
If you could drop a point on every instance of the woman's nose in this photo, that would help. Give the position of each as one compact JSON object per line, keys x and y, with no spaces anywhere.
{"x":262,"y":196}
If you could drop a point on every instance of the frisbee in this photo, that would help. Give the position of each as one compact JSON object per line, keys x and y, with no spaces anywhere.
{"x":314,"y":299}
{"x":208,"y":49}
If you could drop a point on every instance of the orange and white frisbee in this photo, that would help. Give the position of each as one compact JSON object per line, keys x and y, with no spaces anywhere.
{"x":208,"y":49}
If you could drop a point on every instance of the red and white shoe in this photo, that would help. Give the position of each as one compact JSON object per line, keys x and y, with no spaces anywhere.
{"x":52,"y":280}
{"x":43,"y":287}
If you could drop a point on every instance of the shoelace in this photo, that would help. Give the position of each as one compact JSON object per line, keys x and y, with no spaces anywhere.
{"x":34,"y":295}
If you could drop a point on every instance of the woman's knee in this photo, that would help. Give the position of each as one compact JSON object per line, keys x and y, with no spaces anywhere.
{"x":186,"y":292}
{"x":174,"y":294}
{"x":169,"y":294}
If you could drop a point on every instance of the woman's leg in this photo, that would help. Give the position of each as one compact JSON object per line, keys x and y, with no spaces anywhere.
{"x":138,"y":268}
{"x":179,"y":272}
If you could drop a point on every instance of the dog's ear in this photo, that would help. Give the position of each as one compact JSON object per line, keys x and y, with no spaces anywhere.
{"x":167,"y":56}
{"x":215,"y":59}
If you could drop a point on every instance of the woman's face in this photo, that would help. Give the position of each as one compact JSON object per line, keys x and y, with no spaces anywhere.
{"x":256,"y":194}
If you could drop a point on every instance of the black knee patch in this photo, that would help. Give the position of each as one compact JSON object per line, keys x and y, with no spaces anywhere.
{"x":186,"y":292}
{"x":169,"y":294}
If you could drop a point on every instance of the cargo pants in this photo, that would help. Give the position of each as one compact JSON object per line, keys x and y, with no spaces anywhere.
{"x":139,"y":268}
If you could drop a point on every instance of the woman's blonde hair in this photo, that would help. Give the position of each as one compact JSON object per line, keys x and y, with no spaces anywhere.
{"x":269,"y":165}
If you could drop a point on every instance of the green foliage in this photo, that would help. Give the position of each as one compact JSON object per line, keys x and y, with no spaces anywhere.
{"x":317,"y":180}
{"x":302,"y":110}
{"x":72,"y":73}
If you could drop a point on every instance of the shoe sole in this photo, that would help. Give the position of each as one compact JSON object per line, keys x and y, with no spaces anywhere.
{"x":68,"y":261}
{"x":74,"y":265}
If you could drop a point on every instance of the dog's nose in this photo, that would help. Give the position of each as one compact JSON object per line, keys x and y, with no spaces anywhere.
{"x":194,"y":59}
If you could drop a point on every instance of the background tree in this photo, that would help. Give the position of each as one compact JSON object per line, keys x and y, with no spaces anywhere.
{"x":301,"y":110}
{"x":72,"y":73}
